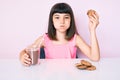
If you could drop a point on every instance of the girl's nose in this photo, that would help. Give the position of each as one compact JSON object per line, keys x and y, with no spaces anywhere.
{"x":62,"y":20}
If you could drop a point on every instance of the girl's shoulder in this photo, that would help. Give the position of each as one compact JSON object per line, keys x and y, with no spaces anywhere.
{"x":78,"y":37}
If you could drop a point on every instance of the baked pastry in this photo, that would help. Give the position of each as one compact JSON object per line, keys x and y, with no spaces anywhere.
{"x":91,"y":68}
{"x":82,"y":67}
{"x":77,"y":64}
{"x":90,"y":12}
{"x":86,"y":63}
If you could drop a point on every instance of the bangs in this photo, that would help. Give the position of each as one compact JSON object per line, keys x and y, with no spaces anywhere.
{"x":61,"y":8}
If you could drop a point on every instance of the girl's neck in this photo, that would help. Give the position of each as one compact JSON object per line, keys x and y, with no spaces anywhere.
{"x":60,"y":39}
{"x":60,"y":36}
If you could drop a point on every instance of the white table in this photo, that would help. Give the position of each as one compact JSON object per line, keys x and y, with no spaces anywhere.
{"x":59,"y":69}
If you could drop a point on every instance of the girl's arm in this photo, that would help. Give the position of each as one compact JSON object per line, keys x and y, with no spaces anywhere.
{"x":91,"y":51}
{"x":24,"y":57}
{"x":39,"y":42}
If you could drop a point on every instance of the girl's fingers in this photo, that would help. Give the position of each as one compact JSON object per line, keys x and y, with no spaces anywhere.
{"x":95,"y":17}
{"x":25,"y":64}
{"x":26,"y":57}
{"x":26,"y":60}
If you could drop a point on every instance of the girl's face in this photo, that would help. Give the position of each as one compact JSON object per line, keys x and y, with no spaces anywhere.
{"x":61,"y":22}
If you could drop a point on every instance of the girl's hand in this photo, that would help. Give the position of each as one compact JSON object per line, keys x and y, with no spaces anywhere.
{"x":25,"y":59}
{"x":93,"y":19}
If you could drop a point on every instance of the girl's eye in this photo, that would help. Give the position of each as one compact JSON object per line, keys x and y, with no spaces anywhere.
{"x":67,"y":17}
{"x":56,"y":17}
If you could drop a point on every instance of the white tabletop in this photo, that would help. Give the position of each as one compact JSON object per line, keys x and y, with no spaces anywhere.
{"x":59,"y":69}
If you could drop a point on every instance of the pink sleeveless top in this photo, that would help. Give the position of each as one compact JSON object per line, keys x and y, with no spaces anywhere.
{"x":59,"y":51}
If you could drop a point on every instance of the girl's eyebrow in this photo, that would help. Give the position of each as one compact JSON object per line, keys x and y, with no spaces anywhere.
{"x":67,"y":14}
{"x":56,"y":15}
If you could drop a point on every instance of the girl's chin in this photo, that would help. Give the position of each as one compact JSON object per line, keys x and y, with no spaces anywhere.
{"x":62,"y":31}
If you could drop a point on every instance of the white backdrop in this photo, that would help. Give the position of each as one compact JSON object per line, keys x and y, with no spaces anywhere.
{"x":23,"y":21}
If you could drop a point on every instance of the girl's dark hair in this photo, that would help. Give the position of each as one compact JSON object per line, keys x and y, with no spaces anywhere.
{"x":61,"y":8}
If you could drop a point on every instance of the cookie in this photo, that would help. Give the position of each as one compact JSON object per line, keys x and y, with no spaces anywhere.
{"x":91,"y":68}
{"x":77,"y":64}
{"x":86,"y":63}
{"x":82,"y":67}
{"x":90,"y":12}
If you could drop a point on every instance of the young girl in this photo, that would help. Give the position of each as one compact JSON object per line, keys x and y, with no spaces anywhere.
{"x":62,"y":39}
